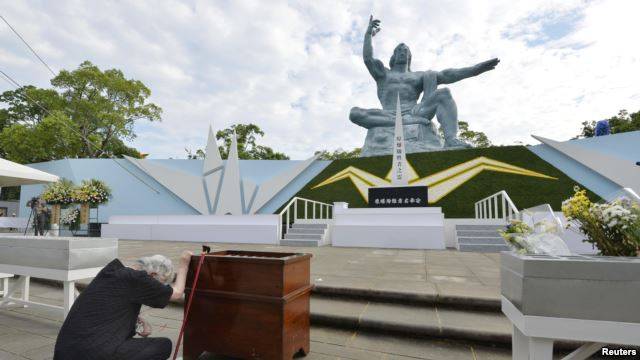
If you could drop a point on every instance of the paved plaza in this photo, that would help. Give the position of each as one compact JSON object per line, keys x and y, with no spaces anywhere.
{"x":30,"y":334}
{"x":428,"y":272}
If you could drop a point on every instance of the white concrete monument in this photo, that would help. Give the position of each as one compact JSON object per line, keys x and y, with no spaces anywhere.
{"x":400,"y":173}
{"x":221,"y":189}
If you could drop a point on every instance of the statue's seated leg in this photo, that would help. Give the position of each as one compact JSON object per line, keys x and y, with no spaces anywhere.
{"x":420,"y":134}
{"x":370,"y":118}
{"x":442,"y":104}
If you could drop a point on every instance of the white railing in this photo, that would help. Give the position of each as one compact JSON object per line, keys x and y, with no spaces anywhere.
{"x":496,"y":206}
{"x":302,"y":209}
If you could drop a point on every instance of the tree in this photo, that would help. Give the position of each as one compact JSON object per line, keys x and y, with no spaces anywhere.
{"x":89,"y":113}
{"x":45,"y":140}
{"x":247,"y":135}
{"x":198,"y":154}
{"x":623,"y":122}
{"x":338,"y":154}
{"x":476,"y":138}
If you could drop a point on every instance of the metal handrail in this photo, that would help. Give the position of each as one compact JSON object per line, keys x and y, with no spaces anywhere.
{"x":325,"y":211}
{"x":496,"y":206}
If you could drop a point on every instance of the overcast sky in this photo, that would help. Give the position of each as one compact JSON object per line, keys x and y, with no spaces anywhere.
{"x":295,"y":68}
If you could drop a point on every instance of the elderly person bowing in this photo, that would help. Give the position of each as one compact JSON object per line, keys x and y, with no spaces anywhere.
{"x":102,"y":321}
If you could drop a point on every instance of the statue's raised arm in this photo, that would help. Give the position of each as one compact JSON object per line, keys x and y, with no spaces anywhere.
{"x":449,"y":76}
{"x":375,"y":66}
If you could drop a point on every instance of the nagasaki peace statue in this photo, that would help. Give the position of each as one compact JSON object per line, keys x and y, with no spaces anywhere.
{"x":398,"y":81}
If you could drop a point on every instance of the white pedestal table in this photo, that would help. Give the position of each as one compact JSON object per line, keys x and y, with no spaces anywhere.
{"x":68,"y":278}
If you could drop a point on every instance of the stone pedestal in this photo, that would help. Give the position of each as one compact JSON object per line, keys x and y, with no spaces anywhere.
{"x":63,"y":253}
{"x":572,"y":286}
{"x":417,"y":138}
{"x":394,"y":228}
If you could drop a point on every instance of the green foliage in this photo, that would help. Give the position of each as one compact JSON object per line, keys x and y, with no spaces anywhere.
{"x":51,"y":138}
{"x":475,"y":138}
{"x":525,"y":191}
{"x":19,"y":110}
{"x":90,"y":113}
{"x":623,"y":122}
{"x":338,"y":154}
{"x":198,"y":154}
{"x":247,"y":135}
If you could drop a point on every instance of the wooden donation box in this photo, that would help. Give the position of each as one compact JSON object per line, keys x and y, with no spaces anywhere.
{"x":249,"y":305}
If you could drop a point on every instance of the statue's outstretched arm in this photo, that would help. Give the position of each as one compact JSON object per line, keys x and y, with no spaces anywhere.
{"x":375,"y":66}
{"x":449,"y":76}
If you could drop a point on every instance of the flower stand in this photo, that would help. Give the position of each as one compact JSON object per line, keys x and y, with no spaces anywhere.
{"x":590,"y":299}
{"x":64,"y":259}
{"x":84,"y":218}
{"x":55,"y":219}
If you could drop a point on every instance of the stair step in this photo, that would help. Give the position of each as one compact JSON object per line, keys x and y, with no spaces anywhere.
{"x":480,"y":233}
{"x":305,"y":231}
{"x":300,"y":242}
{"x":309,"y":226}
{"x":303,"y":236}
{"x":483,"y":247}
{"x":479,"y":227}
{"x":475,"y":240}
{"x":420,"y":320}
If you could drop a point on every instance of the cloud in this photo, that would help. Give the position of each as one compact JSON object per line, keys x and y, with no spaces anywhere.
{"x":295,"y":68}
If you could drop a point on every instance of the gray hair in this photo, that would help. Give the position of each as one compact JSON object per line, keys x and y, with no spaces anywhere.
{"x":158,"y":264}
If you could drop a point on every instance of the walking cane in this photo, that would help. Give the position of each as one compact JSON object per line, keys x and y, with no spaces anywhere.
{"x":205,"y":251}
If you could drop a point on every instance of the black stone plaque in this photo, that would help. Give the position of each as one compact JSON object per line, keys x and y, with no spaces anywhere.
{"x":398,"y":196}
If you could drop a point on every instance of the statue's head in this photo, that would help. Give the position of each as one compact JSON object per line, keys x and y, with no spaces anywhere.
{"x":401,"y":55}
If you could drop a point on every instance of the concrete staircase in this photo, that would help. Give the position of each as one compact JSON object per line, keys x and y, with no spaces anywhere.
{"x":423,"y":317}
{"x":305,"y":235}
{"x":480,"y":238}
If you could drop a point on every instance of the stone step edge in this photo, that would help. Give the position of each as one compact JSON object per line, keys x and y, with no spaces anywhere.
{"x":410,"y":298}
{"x":354,"y":323}
{"x":397,"y":297}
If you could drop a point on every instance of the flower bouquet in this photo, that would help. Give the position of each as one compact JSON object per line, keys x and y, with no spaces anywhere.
{"x":613,"y":227}
{"x":71,"y":218}
{"x":60,"y":192}
{"x":515,"y":235}
{"x":542,"y":238}
{"x":94,"y":192}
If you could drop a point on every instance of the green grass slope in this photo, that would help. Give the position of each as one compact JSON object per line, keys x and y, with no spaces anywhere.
{"x":525,"y":191}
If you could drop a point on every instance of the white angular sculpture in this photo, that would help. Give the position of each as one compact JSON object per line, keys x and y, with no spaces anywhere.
{"x":231,"y":203}
{"x":220,"y":189}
